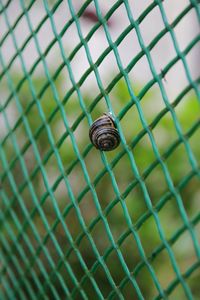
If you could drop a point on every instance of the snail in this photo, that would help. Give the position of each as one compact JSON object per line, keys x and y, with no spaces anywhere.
{"x":104,"y":134}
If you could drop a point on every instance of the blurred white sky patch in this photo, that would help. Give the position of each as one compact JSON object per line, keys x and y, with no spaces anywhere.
{"x":163,"y":52}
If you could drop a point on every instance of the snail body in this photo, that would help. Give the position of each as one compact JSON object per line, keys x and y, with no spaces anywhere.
{"x":104,"y":134}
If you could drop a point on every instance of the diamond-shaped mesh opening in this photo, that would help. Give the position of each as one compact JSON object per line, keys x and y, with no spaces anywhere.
{"x":78,"y":223}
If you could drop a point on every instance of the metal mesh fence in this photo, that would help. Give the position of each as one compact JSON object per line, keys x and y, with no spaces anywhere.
{"x":78,"y":223}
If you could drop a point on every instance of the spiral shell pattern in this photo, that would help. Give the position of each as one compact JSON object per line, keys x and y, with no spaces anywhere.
{"x":103,"y":133}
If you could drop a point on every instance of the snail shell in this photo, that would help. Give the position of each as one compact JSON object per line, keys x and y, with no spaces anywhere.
{"x":103,"y":133}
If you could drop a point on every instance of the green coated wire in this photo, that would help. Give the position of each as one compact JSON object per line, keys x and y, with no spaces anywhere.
{"x":19,"y":271}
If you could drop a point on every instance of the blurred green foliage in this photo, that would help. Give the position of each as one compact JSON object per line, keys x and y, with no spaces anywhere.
{"x":176,"y":160}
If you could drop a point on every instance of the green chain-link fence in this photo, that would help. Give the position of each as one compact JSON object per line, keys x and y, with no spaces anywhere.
{"x":77,"y":223}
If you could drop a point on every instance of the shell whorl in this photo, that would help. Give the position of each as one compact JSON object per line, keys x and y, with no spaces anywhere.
{"x":103,"y":133}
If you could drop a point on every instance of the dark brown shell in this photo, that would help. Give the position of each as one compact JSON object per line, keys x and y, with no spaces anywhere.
{"x":103,"y":133}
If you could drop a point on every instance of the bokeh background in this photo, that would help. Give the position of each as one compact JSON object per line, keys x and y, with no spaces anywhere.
{"x":70,"y":213}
